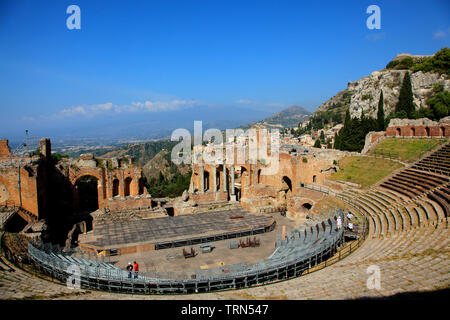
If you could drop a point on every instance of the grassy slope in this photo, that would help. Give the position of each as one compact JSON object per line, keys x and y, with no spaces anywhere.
{"x":364,"y":170}
{"x":408,"y":150}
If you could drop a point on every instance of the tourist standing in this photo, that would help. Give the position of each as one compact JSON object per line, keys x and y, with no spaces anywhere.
{"x":136,"y":270}
{"x":339,"y":222}
{"x":129,"y":269}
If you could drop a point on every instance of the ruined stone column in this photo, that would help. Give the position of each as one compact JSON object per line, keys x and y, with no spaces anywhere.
{"x":255,"y":174}
{"x":224,"y":183}
{"x":134,"y":188}
{"x":121,"y":184}
{"x":233,"y":195}
{"x":214,"y":178}
{"x":232,"y":180}
{"x":202,"y":179}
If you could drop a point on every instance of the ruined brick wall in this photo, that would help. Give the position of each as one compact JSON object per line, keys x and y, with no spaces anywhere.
{"x":418,"y":128}
{"x":5,"y":151}
{"x":21,"y":187}
{"x":418,"y":131}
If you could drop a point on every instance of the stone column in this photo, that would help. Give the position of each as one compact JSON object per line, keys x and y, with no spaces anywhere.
{"x":202,"y":179}
{"x":232,"y":179}
{"x":134,"y":187}
{"x":214,"y":179}
{"x":121,"y":184}
{"x":224,"y":179}
{"x":233,"y":195}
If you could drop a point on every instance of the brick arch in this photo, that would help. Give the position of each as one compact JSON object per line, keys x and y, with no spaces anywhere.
{"x":94,"y":173}
{"x":101,"y":187}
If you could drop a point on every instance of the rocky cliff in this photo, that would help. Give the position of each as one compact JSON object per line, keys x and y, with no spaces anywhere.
{"x":363,"y":94}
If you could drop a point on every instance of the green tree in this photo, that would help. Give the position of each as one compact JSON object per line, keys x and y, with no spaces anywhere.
{"x":380,"y":114}
{"x":322,"y":136}
{"x":439,"y":105}
{"x":405,"y":100}
{"x":317,"y":144}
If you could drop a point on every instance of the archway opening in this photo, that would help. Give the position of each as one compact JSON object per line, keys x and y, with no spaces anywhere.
{"x":307,"y":206}
{"x":206,"y":180}
{"x":141,"y":186}
{"x":442,"y":131}
{"x":245,"y":181}
{"x":427,"y":130}
{"x":115,"y":188}
{"x":398,"y":132}
{"x":237,"y":192}
{"x":286,"y":184}
{"x":127,"y":186}
{"x":259,"y":176}
{"x":170,"y":211}
{"x":87,"y":193}
{"x":413,"y":132}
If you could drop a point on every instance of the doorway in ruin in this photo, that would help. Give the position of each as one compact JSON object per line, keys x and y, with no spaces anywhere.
{"x":442,"y":131}
{"x":87,"y":193}
{"x":399,"y":132}
{"x":427,"y":130}
{"x":127,"y":186}
{"x":306,"y":206}
{"x":115,"y":191}
{"x":286,"y":184}
{"x":170,"y":211}
{"x":285,"y":191}
{"x":237,"y":192}
{"x":206,"y":180}
{"x":141,"y":186}
{"x":245,"y":181}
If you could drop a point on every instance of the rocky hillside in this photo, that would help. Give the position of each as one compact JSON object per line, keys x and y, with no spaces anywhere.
{"x":161,"y":163}
{"x":286,"y":118}
{"x":363,"y":94}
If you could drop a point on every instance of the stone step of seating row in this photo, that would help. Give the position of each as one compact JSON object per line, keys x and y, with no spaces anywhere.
{"x":442,"y":202}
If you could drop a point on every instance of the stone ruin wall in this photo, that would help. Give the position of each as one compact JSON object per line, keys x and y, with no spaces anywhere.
{"x":409,"y":128}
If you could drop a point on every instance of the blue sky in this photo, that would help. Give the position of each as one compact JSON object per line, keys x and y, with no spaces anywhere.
{"x":162,"y":64}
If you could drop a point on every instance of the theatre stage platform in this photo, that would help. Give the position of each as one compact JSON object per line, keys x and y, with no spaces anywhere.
{"x":168,"y":232}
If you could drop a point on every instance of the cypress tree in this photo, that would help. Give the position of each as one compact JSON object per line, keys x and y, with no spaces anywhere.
{"x":405,"y":100}
{"x":380,"y":114}
{"x":317,"y":144}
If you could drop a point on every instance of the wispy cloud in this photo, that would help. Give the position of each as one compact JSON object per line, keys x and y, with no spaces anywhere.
{"x":90,"y":111}
{"x":440,"y":34}
{"x":245,"y":101}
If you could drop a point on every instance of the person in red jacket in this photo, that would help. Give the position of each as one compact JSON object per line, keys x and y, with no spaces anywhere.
{"x":136,"y":269}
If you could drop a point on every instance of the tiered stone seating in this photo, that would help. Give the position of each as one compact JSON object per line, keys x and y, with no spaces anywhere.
{"x":437,"y":162}
{"x":409,"y":199}
{"x":442,"y":200}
